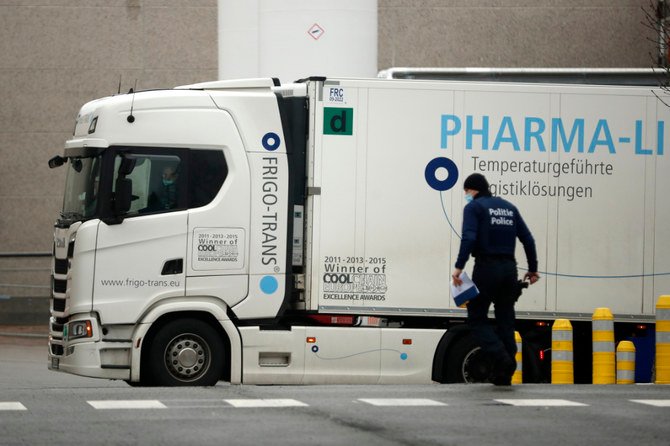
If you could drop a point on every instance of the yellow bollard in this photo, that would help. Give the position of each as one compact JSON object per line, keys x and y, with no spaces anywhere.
{"x":562,"y":367}
{"x":603,"y":347}
{"x":625,"y":363}
{"x":517,"y":378}
{"x":663,"y":340}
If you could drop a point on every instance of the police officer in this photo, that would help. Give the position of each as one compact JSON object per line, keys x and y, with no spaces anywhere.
{"x":491,"y":226}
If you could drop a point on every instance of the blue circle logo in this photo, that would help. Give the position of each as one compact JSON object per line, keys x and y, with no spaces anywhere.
{"x":403,"y":356}
{"x":315,"y":348}
{"x":437,"y":164}
{"x":269,"y":284}
{"x":271,"y":141}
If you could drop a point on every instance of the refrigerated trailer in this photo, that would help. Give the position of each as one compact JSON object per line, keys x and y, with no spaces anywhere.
{"x":305,"y":233}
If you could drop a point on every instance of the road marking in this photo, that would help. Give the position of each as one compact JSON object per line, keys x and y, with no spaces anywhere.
{"x":12,"y":406}
{"x":401,"y":402}
{"x":127,"y":404}
{"x":195,"y":403}
{"x":266,"y":403}
{"x":541,"y":402}
{"x":655,"y":403}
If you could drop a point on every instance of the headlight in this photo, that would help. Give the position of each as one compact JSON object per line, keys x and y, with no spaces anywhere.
{"x":78,"y":329}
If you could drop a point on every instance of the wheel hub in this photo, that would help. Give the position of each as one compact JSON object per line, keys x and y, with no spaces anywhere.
{"x":187,"y":357}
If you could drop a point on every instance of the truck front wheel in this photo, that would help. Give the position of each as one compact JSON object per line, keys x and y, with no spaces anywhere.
{"x":186,"y":352}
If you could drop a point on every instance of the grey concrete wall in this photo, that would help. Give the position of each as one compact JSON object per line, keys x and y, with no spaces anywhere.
{"x":56,"y":55}
{"x":513,"y":33}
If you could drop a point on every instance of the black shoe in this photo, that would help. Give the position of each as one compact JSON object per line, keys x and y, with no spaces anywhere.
{"x":502,"y":380}
{"x":503,"y":371}
{"x":509,"y":366}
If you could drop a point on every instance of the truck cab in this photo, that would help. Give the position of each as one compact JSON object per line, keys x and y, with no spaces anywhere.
{"x":171,"y":196}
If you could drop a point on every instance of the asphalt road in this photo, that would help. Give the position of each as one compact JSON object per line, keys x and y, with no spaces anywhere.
{"x":39,"y":407}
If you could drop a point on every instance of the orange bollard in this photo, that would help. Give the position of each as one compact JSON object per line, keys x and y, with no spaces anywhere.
{"x":663,"y":340}
{"x":517,"y":378}
{"x":562,"y":365}
{"x":625,"y":363}
{"x":603,"y":347}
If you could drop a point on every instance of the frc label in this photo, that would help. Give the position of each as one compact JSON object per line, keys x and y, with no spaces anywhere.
{"x":218,"y":248}
{"x":336,"y":94}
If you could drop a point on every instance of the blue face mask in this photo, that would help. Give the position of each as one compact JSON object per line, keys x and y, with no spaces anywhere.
{"x":468,"y":198}
{"x":167,"y":182}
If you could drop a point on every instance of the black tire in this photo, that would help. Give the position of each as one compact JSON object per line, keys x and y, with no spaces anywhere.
{"x":186,"y":352}
{"x":145,"y":376}
{"x":466,"y":363}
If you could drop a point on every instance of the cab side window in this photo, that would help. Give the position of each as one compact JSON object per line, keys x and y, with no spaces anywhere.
{"x":208,"y":171}
{"x":176,"y":179}
{"x":156,"y":183}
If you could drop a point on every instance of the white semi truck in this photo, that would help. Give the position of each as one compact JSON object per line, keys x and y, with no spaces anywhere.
{"x":261,"y":233}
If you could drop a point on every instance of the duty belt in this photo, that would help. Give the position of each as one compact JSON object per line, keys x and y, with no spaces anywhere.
{"x":494,"y":257}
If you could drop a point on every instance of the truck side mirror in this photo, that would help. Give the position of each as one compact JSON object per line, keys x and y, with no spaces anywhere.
{"x":56,"y":161}
{"x":127,"y":166}
{"x":122,"y":195}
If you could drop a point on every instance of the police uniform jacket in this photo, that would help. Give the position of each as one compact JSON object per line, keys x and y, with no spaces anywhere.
{"x":491,"y":226}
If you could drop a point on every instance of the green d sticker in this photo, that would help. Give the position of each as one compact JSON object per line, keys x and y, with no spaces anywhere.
{"x":338,"y":121}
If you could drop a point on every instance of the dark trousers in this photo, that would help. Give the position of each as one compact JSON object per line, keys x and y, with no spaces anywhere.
{"x":496,"y":280}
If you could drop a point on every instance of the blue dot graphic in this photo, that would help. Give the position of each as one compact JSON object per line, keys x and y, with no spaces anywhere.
{"x":441,"y":163}
{"x":403,"y":356}
{"x":269,"y":284}
{"x":315,"y":348}
{"x":271,"y":141}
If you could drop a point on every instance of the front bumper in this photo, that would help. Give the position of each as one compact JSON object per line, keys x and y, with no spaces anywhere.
{"x":92,"y":358}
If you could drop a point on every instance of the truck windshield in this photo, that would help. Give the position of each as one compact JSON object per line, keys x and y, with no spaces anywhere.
{"x":81,"y":188}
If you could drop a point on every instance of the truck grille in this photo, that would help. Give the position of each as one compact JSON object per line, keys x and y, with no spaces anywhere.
{"x":60,"y":266}
{"x":59,"y":299}
{"x":60,"y":286}
{"x":57,"y":349}
{"x":57,"y":324}
{"x":59,"y":305}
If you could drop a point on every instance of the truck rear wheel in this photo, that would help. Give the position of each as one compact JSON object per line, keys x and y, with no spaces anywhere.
{"x":467,"y":363}
{"x":186,"y":352}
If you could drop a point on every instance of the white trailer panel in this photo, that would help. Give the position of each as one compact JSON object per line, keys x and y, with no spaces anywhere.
{"x":580,"y":162}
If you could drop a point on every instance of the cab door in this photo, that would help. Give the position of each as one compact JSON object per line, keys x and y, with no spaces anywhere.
{"x":218,"y":223}
{"x":141,"y":260}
